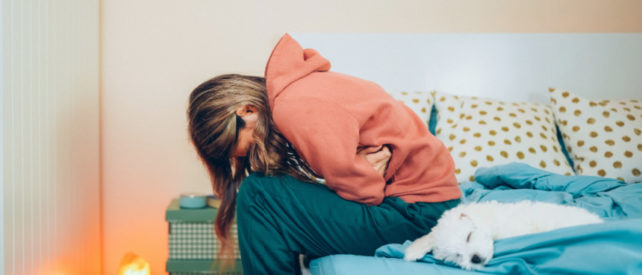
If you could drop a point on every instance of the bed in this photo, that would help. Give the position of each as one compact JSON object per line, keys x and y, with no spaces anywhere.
{"x":546,"y":117}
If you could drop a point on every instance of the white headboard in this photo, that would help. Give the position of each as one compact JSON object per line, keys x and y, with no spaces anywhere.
{"x":514,"y":67}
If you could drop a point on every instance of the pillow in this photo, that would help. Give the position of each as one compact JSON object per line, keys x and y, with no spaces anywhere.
{"x":484,"y":132}
{"x":601,"y":136}
{"x":419,"y":102}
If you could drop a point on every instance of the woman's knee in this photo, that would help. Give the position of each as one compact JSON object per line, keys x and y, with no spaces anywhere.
{"x":250,"y":186}
{"x":257,"y":188}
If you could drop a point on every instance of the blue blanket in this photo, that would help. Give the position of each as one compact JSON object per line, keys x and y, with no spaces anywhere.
{"x":613,"y":247}
{"x":606,"y":197}
{"x":609,"y":248}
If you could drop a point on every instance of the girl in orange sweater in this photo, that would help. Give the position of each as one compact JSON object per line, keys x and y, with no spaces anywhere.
{"x":387,"y":179}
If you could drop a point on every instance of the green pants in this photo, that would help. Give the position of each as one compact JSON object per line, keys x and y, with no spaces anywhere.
{"x":280,"y":217}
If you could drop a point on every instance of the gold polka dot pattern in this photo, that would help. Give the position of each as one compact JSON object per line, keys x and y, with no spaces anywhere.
{"x":484,"y":132}
{"x":604,"y":138}
{"x":419,"y":102}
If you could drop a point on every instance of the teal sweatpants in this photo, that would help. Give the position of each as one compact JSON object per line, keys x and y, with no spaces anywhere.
{"x":280,"y":217}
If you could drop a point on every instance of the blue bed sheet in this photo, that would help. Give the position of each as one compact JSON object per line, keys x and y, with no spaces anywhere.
{"x":613,"y":247}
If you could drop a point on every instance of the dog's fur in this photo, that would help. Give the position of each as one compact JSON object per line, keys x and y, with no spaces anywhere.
{"x":464,"y":235}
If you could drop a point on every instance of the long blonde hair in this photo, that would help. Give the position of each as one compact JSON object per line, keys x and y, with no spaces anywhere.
{"x":213,"y":128}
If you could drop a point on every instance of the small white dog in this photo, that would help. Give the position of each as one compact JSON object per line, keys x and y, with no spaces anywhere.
{"x":464,"y":235}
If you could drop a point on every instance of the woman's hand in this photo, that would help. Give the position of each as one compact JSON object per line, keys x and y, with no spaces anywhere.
{"x":377,"y":156}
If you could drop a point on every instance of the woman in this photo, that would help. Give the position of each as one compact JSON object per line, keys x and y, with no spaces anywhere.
{"x":387,"y":179}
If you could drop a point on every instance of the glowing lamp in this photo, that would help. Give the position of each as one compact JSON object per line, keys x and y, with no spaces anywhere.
{"x":132,"y":264}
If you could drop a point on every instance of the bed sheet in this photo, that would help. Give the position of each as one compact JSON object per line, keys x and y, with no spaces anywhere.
{"x":613,"y":247}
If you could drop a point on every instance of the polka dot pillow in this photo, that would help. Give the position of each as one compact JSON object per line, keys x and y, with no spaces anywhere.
{"x":484,"y":132}
{"x":603,"y":137}
{"x":419,"y":102}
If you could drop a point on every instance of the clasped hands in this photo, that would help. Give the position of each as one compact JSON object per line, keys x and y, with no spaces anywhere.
{"x":377,"y":156}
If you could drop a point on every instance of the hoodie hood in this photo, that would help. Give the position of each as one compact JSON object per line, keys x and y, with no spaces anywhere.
{"x":289,"y":62}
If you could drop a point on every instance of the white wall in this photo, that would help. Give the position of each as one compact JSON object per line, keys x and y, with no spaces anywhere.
{"x":506,"y":66}
{"x":50,"y":162}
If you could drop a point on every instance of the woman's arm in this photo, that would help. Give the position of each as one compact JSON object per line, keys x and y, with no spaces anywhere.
{"x":327,"y":138}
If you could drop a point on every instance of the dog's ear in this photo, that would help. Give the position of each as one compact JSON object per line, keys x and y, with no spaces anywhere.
{"x":463,"y":216}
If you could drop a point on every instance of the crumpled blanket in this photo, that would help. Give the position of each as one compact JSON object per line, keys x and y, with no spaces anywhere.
{"x":613,"y":247}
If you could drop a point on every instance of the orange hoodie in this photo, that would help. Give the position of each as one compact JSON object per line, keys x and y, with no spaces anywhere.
{"x":327,"y":116}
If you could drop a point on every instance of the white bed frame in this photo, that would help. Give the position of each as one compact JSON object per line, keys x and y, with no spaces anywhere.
{"x":513,"y":67}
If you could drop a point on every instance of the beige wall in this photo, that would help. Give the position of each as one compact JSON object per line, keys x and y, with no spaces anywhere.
{"x":155,"y":51}
{"x":50,"y":174}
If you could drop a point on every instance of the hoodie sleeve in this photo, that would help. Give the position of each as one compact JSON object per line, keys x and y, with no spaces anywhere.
{"x":327,"y":137}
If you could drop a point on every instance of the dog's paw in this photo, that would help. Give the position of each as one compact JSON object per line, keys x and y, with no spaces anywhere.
{"x":413,"y":253}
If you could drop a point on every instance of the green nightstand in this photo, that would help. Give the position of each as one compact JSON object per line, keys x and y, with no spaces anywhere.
{"x":193,"y":245}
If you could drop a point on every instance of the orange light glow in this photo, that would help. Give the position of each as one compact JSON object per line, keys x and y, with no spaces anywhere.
{"x":132,"y":264}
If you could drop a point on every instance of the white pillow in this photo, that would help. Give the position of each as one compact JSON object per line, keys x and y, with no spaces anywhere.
{"x":486,"y":132}
{"x":420,"y":102}
{"x":603,"y":137}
